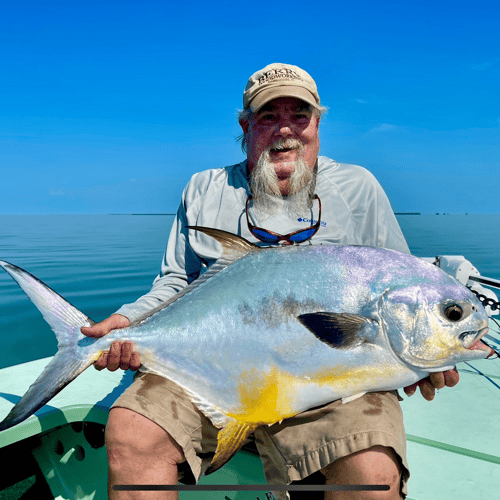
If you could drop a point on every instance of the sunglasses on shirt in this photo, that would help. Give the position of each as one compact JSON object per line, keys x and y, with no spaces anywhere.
{"x":299,"y":236}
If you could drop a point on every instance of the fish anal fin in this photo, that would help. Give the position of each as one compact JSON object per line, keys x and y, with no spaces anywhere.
{"x":339,"y":330}
{"x":353,"y":397}
{"x":229,"y":440}
{"x":233,"y":246}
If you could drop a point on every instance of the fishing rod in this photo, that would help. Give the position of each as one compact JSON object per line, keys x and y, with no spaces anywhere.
{"x":486,"y":281}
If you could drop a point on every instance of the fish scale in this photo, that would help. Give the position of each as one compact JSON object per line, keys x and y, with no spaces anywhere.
{"x":266,"y":333}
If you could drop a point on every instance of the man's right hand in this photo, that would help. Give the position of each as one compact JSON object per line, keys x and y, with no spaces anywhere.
{"x":120,"y":354}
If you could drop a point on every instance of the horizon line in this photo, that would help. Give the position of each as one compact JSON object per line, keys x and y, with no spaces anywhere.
{"x":175,"y":213}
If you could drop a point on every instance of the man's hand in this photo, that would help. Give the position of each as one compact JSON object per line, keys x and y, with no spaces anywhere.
{"x":120,"y":354}
{"x":435,"y":381}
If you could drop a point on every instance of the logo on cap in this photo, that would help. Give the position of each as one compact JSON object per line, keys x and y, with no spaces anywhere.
{"x":279,"y":80}
{"x":277,"y":74}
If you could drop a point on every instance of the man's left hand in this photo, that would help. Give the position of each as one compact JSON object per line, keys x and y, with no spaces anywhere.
{"x":428,"y":385}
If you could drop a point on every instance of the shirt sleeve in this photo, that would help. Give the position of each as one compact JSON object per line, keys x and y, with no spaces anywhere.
{"x":389,"y":234}
{"x":179,"y":267}
{"x":373,"y":215}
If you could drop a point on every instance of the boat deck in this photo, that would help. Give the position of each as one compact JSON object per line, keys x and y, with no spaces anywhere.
{"x":453,"y":441}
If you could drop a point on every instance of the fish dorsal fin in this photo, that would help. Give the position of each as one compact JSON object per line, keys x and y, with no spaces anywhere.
{"x":233,"y":246}
{"x":339,"y":330}
{"x":229,"y":440}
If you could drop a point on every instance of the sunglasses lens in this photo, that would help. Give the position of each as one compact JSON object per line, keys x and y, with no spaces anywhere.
{"x":303,"y":235}
{"x":298,"y":237}
{"x":264,"y":236}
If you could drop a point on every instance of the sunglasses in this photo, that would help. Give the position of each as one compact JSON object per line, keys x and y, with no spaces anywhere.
{"x":299,"y":236}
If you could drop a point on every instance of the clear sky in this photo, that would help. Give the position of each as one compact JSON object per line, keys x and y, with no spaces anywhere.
{"x":111,"y":106}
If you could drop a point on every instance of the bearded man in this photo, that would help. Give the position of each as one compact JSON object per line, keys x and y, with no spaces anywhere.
{"x":283,"y":193}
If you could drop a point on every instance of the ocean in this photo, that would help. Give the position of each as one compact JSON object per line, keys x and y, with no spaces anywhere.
{"x":99,"y":262}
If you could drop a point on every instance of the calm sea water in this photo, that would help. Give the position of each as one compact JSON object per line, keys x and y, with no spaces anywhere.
{"x":99,"y":262}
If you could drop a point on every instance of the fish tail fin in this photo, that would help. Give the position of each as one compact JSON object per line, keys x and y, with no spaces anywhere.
{"x":75,"y":351}
{"x":229,"y":440}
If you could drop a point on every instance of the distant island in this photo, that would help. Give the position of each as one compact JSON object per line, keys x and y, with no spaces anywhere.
{"x":396,"y":213}
{"x":151,"y":213}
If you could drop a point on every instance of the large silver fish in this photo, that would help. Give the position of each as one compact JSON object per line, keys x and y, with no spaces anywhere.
{"x":268,"y":333}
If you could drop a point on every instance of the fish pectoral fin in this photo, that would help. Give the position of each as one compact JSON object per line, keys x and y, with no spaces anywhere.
{"x":229,"y":440}
{"x":339,"y":330}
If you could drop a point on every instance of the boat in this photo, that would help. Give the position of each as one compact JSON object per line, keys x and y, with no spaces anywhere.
{"x":59,"y":453}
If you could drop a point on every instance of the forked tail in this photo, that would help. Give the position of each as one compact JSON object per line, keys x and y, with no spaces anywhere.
{"x":75,"y":351}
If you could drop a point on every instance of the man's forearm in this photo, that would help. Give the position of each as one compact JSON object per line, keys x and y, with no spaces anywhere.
{"x":162,"y":290}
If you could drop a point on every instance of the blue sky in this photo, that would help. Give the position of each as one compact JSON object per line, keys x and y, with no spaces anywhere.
{"x":110,"y":107}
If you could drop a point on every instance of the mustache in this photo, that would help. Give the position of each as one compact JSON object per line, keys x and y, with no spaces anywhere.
{"x":283,"y":144}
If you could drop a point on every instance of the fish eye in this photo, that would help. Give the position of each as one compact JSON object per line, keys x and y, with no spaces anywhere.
{"x":454,"y":312}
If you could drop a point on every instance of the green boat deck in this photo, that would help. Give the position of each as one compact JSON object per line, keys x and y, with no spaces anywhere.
{"x":453,"y":441}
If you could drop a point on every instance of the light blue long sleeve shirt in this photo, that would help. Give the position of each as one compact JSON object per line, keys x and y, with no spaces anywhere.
{"x":355,"y":211}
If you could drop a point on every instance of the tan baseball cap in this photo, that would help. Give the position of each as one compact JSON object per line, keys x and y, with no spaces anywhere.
{"x":279,"y":80}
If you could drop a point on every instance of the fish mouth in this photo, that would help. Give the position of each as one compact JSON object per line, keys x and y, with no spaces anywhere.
{"x":472,"y":340}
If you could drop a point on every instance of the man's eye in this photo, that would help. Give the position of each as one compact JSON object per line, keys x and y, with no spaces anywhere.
{"x":268,"y":116}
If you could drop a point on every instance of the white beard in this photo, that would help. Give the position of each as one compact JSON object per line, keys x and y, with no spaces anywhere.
{"x":267,"y":198}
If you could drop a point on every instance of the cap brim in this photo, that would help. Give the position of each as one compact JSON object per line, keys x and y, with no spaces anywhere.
{"x":282,"y":91}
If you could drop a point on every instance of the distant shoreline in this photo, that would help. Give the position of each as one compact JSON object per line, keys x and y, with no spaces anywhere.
{"x":174,"y":213}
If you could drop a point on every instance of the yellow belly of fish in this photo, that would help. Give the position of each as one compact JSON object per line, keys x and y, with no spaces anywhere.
{"x":266,"y":398}
{"x":269,"y":398}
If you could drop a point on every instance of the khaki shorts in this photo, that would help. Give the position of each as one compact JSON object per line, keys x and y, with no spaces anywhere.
{"x":290,"y":451}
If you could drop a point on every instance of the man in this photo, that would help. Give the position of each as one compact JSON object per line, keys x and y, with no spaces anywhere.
{"x":154,"y":431}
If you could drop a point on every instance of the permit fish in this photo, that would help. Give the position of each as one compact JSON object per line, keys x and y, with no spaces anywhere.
{"x":266,"y":333}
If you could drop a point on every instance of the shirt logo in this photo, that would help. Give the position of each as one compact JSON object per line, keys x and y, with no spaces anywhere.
{"x":311,"y":221}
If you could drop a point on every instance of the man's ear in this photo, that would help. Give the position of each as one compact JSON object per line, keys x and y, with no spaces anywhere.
{"x":245,"y":125}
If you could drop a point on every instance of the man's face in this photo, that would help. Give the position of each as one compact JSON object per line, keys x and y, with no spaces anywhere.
{"x":283,"y":118}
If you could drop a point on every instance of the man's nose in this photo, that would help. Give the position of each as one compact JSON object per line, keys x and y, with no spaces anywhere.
{"x":285,"y":128}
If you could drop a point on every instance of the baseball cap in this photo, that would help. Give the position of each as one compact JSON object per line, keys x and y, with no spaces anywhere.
{"x":279,"y":80}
